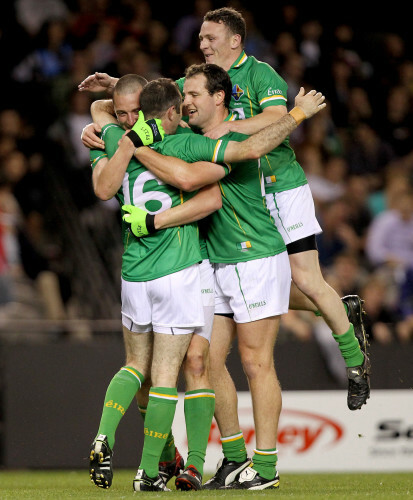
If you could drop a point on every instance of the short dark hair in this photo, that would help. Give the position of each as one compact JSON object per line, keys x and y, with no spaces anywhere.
{"x":158,"y":96}
{"x":128,"y":84}
{"x":216,"y":79}
{"x":231,"y":18}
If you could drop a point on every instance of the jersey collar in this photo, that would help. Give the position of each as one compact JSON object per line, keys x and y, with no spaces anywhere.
{"x":240,"y":61}
{"x":231,"y":117}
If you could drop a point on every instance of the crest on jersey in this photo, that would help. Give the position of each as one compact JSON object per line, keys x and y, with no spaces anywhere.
{"x":237,"y":92}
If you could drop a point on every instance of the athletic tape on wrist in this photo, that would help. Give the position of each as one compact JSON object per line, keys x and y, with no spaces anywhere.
{"x":298,"y":115}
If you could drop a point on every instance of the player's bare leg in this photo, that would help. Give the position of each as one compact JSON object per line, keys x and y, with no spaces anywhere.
{"x":307,"y":276}
{"x":256,"y":346}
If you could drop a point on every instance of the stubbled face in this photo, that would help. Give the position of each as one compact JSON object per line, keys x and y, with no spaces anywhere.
{"x":215,"y":43}
{"x":127,"y":109}
{"x":199,"y":104}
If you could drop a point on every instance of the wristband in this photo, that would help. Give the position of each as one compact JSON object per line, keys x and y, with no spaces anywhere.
{"x":150,"y":223}
{"x":298,"y":115}
{"x":134,"y":137}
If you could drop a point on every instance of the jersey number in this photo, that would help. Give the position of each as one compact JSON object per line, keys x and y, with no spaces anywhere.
{"x":140,"y":197}
{"x":240,"y":112}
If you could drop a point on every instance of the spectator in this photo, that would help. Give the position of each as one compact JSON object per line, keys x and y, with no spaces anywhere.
{"x":390,"y":237}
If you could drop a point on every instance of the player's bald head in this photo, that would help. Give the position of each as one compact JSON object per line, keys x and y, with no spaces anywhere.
{"x":129,"y":84}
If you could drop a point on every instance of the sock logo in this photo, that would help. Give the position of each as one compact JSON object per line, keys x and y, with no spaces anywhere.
{"x":155,"y":434}
{"x":115,"y":406}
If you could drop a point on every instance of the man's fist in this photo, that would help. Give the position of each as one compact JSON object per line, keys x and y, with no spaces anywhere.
{"x":141,"y":222}
{"x":144,"y":133}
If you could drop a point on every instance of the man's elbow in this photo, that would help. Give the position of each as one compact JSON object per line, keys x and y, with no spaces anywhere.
{"x":103,"y":193}
{"x":186,"y":183}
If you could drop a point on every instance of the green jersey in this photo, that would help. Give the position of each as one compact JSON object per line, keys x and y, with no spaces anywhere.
{"x":166,"y":251}
{"x":256,"y":86}
{"x":243,"y":229}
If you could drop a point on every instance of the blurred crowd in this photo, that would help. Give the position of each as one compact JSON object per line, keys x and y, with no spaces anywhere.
{"x":357,"y":154}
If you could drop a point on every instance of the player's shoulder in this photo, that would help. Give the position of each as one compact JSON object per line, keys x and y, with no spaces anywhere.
{"x":262,"y":67}
{"x":110,"y":128}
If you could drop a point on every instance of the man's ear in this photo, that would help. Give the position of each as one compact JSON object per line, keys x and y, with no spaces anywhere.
{"x":171,"y":112}
{"x":219,"y":97}
{"x":235,"y":41}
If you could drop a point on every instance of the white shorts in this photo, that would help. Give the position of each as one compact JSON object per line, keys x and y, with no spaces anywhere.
{"x":171,"y":304}
{"x":253,"y":290}
{"x":294,"y":213}
{"x":208,"y":298}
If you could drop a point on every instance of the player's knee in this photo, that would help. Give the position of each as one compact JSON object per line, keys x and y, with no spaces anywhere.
{"x":195,"y":363}
{"x":309,"y":283}
{"x":255,"y":364}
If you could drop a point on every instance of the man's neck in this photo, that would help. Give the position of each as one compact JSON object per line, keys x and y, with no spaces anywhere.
{"x":231,"y":60}
{"x":217,"y":119}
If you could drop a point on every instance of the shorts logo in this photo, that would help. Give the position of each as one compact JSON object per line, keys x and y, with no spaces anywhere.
{"x":295,"y":226}
{"x":207,"y":290}
{"x":237,"y":92}
{"x":257,"y":304}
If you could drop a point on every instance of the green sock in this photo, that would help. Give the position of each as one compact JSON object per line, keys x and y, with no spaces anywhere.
{"x":199,"y":409}
{"x":233,"y":448}
{"x":119,"y":394}
{"x":264,"y":462}
{"x":158,"y":421}
{"x":168,"y":452}
{"x":350,"y":347}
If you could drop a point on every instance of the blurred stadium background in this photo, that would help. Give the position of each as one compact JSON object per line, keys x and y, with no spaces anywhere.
{"x":60,"y":248}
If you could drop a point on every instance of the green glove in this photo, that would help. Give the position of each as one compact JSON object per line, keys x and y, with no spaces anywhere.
{"x":144,"y":133}
{"x":141,"y":222}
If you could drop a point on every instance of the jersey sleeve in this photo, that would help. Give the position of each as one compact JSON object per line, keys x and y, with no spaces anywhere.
{"x":271,"y":89}
{"x":95,"y":156}
{"x":210,"y":150}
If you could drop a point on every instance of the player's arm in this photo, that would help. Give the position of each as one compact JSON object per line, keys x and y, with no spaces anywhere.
{"x":176,"y":172}
{"x":108,"y":174}
{"x":206,"y":201}
{"x":251,"y":125}
{"x":273,"y":135}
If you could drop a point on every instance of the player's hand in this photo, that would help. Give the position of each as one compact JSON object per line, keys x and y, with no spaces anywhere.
{"x":219,"y":131}
{"x":310,"y":103}
{"x":90,"y":137}
{"x":144,"y":133}
{"x":98,"y":82}
{"x":141,"y":222}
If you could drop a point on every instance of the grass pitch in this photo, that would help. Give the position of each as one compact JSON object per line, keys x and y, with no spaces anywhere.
{"x":59,"y":485}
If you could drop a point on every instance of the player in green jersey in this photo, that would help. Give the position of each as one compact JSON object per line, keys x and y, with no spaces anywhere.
{"x":259,"y":97}
{"x":251,"y":269}
{"x":148,"y":265}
